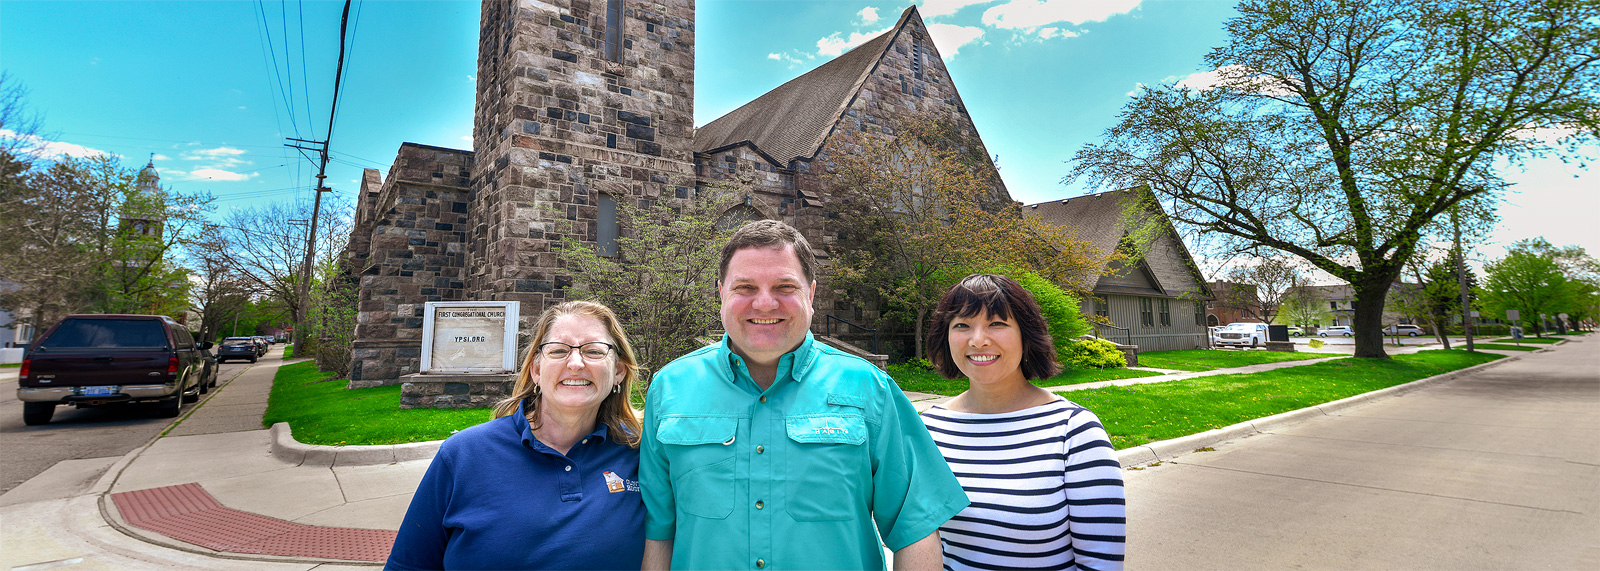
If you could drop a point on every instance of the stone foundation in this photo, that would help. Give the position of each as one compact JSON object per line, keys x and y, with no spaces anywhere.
{"x":1130,"y":353}
{"x":1281,"y":346}
{"x":454,"y":391}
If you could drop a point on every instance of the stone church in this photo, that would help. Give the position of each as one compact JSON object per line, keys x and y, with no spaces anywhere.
{"x":585,"y":104}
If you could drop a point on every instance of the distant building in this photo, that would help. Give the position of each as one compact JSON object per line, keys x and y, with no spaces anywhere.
{"x":1158,"y":302}
{"x":1235,"y":302}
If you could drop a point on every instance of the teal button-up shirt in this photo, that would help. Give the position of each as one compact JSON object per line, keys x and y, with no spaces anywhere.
{"x":793,"y":477}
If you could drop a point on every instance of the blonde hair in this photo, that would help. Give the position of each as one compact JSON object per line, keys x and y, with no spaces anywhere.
{"x":616,"y":412}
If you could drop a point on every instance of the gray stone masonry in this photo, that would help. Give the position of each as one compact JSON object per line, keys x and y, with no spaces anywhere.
{"x":454,"y":391}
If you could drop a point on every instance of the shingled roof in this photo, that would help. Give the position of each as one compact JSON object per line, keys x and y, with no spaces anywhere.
{"x":1098,"y":219}
{"x":792,"y":121}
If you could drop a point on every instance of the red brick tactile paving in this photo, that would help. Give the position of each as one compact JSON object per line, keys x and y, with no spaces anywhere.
{"x":188,"y":513}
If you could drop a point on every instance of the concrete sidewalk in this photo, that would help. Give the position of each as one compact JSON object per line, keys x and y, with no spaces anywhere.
{"x":1495,"y":469}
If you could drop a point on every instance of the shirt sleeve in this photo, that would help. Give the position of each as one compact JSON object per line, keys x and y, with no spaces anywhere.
{"x":913,"y":490}
{"x":655,"y":480}
{"x":1093,"y":479}
{"x":422,"y":538}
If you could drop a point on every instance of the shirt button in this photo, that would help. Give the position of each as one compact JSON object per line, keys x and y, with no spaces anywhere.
{"x":760,"y":505}
{"x":760,"y":449}
{"x":763,"y":399}
{"x":584,"y":441}
{"x":569,"y":468}
{"x":761,"y":563}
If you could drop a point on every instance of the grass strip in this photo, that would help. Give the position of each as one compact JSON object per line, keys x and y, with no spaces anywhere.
{"x":1534,"y":340}
{"x":1209,"y":360}
{"x":1140,"y":414}
{"x":11,"y":365}
{"x":930,"y":382}
{"x":1500,"y":347}
{"x":288,"y":351}
{"x":321,"y":411}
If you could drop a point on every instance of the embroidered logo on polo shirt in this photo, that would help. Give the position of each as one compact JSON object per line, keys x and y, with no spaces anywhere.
{"x":616,"y":483}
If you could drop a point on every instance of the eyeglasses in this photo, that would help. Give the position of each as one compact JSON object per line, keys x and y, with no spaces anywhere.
{"x":591,"y":351}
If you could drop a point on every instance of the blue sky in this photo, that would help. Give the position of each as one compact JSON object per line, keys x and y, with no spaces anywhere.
{"x":212,"y":88}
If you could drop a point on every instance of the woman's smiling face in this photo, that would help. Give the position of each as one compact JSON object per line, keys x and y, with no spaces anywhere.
{"x":577,"y":384}
{"x":987,"y":349}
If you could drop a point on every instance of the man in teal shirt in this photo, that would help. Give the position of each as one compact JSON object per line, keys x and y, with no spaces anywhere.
{"x":772,"y":450}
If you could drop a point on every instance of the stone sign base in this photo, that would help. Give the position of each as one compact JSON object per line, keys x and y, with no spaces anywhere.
{"x":454,"y":391}
{"x":1281,"y":346}
{"x":1130,"y":353}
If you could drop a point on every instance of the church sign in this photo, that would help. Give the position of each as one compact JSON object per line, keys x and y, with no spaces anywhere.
{"x":469,"y":337}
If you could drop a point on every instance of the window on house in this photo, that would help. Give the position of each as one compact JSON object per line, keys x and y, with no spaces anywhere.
{"x":1146,"y":314}
{"x":614,"y":31}
{"x":1199,"y":313}
{"x":1333,"y":305}
{"x":1166,"y":313}
{"x":1101,"y":308}
{"x":606,"y":227}
{"x":916,"y":58}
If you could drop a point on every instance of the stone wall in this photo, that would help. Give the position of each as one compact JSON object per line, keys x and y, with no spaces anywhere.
{"x":413,"y":233}
{"x":557,"y":125}
{"x":454,"y":391}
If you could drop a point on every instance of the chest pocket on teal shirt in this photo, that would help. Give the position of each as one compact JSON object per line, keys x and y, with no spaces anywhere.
{"x":701,"y":452}
{"x":826,"y":472}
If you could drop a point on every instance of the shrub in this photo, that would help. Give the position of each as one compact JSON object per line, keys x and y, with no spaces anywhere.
{"x":1096,"y":353}
{"x":1059,"y":307}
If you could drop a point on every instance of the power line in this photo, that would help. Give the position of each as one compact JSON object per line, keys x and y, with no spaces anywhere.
{"x":276,"y":74}
{"x":306,"y":94}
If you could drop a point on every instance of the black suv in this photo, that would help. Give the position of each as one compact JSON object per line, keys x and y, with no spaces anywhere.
{"x":94,"y":360}
{"x":239,"y":348}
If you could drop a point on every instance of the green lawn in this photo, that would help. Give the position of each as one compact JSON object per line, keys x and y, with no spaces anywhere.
{"x":288,"y":351}
{"x":1139,"y":414}
{"x":930,"y":382}
{"x":321,"y":411}
{"x":17,"y":365}
{"x":1208,"y":360}
{"x":1527,"y":340}
{"x":1500,"y":347}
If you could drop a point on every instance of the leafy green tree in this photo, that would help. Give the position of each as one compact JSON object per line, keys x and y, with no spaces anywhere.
{"x":1528,"y":281}
{"x":922,"y":208}
{"x":1302,"y":307}
{"x":662,"y":280}
{"x":1341,"y":130}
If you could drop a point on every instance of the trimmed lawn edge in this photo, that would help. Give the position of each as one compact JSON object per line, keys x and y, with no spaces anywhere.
{"x":287,"y":449}
{"x":1165,"y":450}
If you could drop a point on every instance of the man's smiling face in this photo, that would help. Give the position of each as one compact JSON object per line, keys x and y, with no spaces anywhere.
{"x":766,"y":303}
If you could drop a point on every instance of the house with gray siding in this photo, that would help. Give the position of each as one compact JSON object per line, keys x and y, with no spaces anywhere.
{"x":1158,"y":300}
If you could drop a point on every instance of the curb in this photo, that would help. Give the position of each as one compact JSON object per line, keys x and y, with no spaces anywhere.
{"x":287,"y":449}
{"x":1167,"y":450}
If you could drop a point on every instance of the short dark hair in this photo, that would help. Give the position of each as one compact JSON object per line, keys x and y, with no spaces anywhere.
{"x":1001,"y":297}
{"x":767,"y":234}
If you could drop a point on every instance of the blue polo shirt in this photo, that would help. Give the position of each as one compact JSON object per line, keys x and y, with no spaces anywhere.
{"x":806,"y":474}
{"x":497,"y":498}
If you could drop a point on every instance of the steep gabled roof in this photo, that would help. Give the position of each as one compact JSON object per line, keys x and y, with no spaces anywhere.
{"x":1098,"y":220}
{"x":792,"y":121}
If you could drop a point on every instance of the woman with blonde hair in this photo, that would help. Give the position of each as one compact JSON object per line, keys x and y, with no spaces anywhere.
{"x":553,"y":481}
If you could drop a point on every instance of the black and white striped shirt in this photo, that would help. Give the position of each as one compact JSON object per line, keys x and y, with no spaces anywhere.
{"x":1045,"y":486}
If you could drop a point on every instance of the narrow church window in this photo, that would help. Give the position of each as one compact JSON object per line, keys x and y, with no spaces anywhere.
{"x":1101,"y":309}
{"x":916,"y":58}
{"x":614,"y":31}
{"x":606,"y":228}
{"x":1199,"y":313}
{"x":1146,"y":315}
{"x":1166,"y":313}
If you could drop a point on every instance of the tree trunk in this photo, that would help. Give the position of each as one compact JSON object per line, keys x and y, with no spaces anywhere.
{"x":1437,"y":323}
{"x":1367,"y":323}
{"x":922,"y":352}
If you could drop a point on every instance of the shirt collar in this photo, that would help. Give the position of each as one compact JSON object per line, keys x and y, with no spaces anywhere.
{"x":799,"y":359}
{"x":521,"y":423}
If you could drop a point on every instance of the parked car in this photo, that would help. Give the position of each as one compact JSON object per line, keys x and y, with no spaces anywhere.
{"x":1243,"y":334}
{"x":261,"y":346}
{"x":1403,"y":329}
{"x":265,"y":339}
{"x":1336,"y":331}
{"x":1212,"y":331}
{"x":238,"y":348}
{"x":95,"y":360}
{"x":1296,"y":331}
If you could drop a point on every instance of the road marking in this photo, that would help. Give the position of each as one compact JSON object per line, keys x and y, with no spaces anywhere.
{"x":49,"y":564}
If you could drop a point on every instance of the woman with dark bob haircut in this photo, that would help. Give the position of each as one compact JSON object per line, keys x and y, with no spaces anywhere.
{"x":1045,"y":485}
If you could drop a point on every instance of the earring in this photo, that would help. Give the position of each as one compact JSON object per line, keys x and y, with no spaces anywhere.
{"x":616,"y":388}
{"x":536,"y":391}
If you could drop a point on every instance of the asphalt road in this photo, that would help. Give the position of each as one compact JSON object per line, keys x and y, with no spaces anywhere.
{"x":74,"y":434}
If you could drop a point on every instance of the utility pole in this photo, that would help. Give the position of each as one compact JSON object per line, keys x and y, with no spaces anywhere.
{"x":321,"y":147}
{"x":1461,"y":277}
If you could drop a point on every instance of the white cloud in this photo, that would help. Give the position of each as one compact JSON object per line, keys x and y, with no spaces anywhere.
{"x":1239,"y":76}
{"x":949,"y":37}
{"x":937,"y":8}
{"x":160,"y":157}
{"x":217,"y":174}
{"x":52,"y":149}
{"x":467,"y":138}
{"x":1053,"y":32}
{"x":788,"y":58}
{"x":1137,"y":87}
{"x":219,"y":152}
{"x":1026,"y":14}
{"x":868,"y":15}
{"x":775,"y":56}
{"x":834,"y":46}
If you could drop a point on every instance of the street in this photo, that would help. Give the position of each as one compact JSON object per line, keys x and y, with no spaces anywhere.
{"x":94,"y":436}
